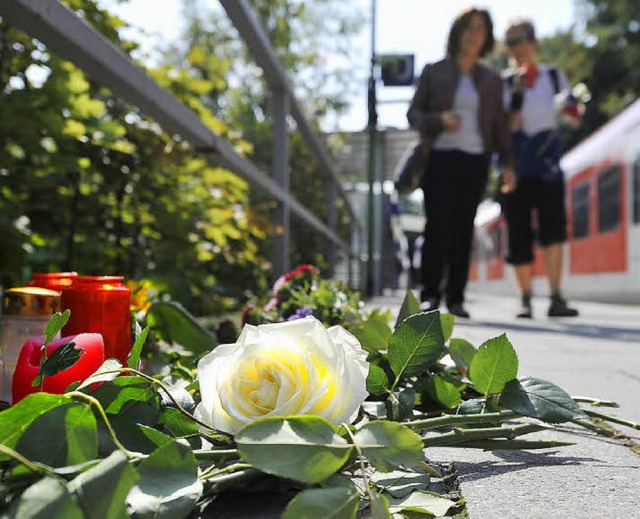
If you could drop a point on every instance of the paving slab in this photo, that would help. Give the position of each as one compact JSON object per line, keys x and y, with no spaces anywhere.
{"x":596,"y":354}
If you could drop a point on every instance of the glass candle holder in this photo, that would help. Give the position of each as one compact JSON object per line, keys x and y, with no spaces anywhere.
{"x":25,"y":314}
{"x":100,"y":304}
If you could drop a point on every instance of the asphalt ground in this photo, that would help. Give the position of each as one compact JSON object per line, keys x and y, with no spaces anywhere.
{"x":596,"y":354}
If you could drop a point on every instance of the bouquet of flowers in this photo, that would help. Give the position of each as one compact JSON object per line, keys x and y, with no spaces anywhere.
{"x":314,"y":418}
{"x":571,"y":104}
{"x":303,"y":292}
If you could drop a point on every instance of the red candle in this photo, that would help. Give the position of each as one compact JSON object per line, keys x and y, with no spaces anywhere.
{"x":53,"y":280}
{"x":28,"y":364}
{"x":100,"y":304}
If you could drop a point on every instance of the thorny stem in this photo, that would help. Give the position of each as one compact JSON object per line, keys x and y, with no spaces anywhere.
{"x":215,"y":454}
{"x":456,"y":419}
{"x":613,"y":419}
{"x":429,"y":469}
{"x":463,"y":435}
{"x":367,"y":484}
{"x":209,"y":473}
{"x":499,"y":445}
{"x":596,"y":402}
{"x":592,"y":427}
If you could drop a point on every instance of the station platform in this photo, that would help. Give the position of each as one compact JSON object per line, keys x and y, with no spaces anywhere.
{"x":596,"y":354}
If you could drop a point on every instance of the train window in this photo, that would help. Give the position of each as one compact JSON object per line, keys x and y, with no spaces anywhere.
{"x":609,"y":199}
{"x":636,"y":191}
{"x":580,"y":196}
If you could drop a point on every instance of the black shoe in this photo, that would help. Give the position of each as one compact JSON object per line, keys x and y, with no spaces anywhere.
{"x":525,"y":311}
{"x":430,"y":304}
{"x":458,"y":310}
{"x":559,"y":308}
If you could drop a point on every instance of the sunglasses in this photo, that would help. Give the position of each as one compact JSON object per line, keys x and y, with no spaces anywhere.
{"x":512,"y":42}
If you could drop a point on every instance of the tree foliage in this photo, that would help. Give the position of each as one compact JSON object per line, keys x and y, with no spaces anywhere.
{"x":603,"y":51}
{"x":305,"y":36}
{"x":89,"y":183}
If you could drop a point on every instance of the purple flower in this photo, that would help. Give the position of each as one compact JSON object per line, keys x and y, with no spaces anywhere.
{"x":300,"y":313}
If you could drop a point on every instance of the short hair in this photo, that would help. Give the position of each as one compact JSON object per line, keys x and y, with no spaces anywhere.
{"x":522,"y":24}
{"x":462,"y":22}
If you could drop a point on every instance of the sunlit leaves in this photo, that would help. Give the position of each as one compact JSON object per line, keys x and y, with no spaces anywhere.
{"x":308,"y":449}
{"x":540,"y":399}
{"x":168,"y":484}
{"x":494,"y":364}
{"x":416,"y":344}
{"x":304,"y":448}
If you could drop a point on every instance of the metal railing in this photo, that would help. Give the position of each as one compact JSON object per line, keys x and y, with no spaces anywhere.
{"x":72,"y":38}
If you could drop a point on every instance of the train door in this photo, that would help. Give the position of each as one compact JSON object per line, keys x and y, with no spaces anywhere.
{"x":598,"y":227}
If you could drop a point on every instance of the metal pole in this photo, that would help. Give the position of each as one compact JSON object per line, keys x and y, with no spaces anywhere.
{"x":371,"y":127}
{"x":282,"y":177}
{"x":332,"y":222}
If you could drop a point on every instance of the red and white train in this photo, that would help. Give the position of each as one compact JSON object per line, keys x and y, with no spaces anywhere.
{"x":602,"y":254}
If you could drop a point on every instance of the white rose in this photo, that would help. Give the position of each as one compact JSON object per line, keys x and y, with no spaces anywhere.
{"x":283,"y":369}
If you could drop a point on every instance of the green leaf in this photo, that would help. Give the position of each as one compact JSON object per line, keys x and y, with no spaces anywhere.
{"x":399,"y":405}
{"x":494,"y":364}
{"x":304,"y":448}
{"x":328,"y":503}
{"x":139,"y":438}
{"x":416,"y":344}
{"x":375,"y":409}
{"x":102,"y":490}
{"x":410,"y":306}
{"x":388,"y":445}
{"x":422,"y":501}
{"x":168,"y":485}
{"x":134,"y":358}
{"x":444,"y":392}
{"x":540,"y":399}
{"x":373,"y":333}
{"x":377,"y":380}
{"x":447,"y":321}
{"x":49,"y":498}
{"x":64,"y":435}
{"x":175,"y":324}
{"x":378,"y":506}
{"x":17,"y":418}
{"x":130,"y":398}
{"x":462,"y":353}
{"x":400,"y":483}
{"x":62,"y":358}
{"x":177,"y":423}
{"x":55,"y":324}
{"x":105,"y":373}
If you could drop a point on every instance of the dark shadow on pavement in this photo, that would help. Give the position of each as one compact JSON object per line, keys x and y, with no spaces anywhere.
{"x":513,"y":461}
{"x":575,"y":330}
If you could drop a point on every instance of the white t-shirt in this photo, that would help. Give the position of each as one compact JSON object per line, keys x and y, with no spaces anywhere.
{"x":539,"y":110}
{"x":466,"y":106}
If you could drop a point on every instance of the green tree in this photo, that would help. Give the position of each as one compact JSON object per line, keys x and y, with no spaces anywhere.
{"x":304,"y":35}
{"x":90,"y":183}
{"x":603,"y":51}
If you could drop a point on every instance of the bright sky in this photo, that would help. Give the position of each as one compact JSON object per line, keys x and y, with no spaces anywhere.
{"x":405,"y":26}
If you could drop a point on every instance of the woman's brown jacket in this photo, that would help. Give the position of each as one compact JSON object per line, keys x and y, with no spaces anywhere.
{"x":435,"y":94}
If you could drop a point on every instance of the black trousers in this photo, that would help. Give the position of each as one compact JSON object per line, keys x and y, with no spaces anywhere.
{"x":453,"y":186}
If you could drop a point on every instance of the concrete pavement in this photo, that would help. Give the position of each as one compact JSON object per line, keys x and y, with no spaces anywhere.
{"x":596,"y":354}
